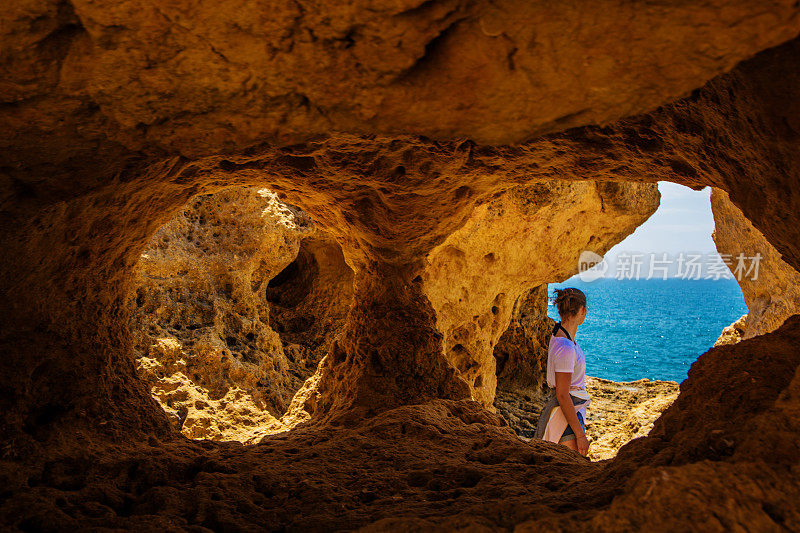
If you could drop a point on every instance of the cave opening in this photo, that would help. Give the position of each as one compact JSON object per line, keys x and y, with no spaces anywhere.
{"x":233,"y":312}
{"x":410,"y":162}
{"x":302,"y":300}
{"x":705,"y":271}
{"x":293,"y":283}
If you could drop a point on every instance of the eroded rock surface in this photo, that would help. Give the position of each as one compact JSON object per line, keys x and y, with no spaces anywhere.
{"x":124,"y":76}
{"x":417,"y":195}
{"x":238,"y":298}
{"x":521,"y":353}
{"x":394,"y":470}
{"x":771,"y":287}
{"x":733,"y":333}
{"x":203,"y":342}
{"x":309,"y":300}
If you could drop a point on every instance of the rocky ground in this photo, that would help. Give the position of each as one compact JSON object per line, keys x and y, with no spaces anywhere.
{"x":442,"y":466}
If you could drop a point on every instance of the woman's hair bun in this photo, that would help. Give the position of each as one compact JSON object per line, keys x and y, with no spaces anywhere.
{"x":568,"y":301}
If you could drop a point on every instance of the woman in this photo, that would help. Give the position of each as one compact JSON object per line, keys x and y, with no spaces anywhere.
{"x":566,"y":374}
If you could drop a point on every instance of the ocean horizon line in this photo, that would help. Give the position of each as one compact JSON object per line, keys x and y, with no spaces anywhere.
{"x":652,"y":328}
{"x":668,"y":278}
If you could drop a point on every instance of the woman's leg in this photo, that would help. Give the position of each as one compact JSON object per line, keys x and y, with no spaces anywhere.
{"x":572,"y":444}
{"x":568,"y":437}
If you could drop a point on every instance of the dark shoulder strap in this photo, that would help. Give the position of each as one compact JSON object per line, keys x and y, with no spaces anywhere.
{"x":559,"y":326}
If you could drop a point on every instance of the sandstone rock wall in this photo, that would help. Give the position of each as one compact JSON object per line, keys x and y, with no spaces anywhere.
{"x":111,"y":78}
{"x":521,"y":351}
{"x":237,"y":300}
{"x":308,"y":303}
{"x":203,"y":340}
{"x":772,"y":292}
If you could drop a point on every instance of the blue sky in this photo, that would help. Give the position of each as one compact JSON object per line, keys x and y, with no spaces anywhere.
{"x":682,"y":224}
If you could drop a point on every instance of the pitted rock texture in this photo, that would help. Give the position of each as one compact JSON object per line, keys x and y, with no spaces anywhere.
{"x":530,"y":235}
{"x":204,"y":343}
{"x":521,"y":353}
{"x":771,"y":287}
{"x":733,"y":333}
{"x":308,"y":302}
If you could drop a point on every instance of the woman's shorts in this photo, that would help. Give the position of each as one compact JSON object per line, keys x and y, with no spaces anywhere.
{"x":569,"y":434}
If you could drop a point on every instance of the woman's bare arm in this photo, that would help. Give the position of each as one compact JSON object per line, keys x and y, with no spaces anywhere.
{"x":563,"y":382}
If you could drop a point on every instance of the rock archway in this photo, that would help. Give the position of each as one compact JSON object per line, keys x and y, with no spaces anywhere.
{"x":112,"y":131}
{"x":526,"y":236}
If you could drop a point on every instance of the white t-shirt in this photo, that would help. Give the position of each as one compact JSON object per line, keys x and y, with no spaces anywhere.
{"x":565,"y":356}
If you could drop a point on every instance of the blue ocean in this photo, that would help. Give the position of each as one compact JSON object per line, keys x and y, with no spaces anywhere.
{"x":651,"y":328}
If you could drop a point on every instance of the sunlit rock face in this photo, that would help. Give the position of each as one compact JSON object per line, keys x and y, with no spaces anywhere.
{"x":771,"y":287}
{"x":527,"y":236}
{"x":203,"y":340}
{"x":732,"y":333}
{"x":237,"y":299}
